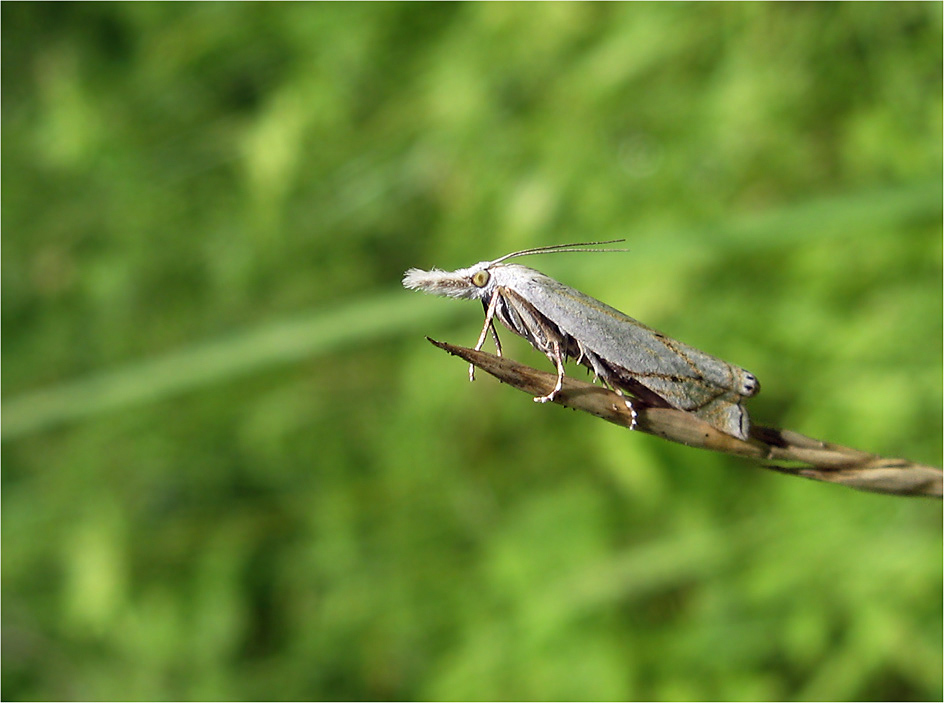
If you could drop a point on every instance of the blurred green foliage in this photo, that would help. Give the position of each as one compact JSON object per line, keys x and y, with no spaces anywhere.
{"x":233,"y":468}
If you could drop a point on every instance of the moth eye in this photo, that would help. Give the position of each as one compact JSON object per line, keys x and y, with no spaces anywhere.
{"x":480,"y":278}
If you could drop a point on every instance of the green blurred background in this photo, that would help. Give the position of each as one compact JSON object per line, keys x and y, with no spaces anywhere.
{"x":234,"y":468}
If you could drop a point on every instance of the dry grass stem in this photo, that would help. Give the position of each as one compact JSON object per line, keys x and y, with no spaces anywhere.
{"x":796,"y":454}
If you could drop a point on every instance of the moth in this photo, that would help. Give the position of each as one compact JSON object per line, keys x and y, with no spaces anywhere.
{"x":625,"y":354}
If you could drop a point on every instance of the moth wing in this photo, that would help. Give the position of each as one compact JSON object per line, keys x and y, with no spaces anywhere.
{"x":685,"y":377}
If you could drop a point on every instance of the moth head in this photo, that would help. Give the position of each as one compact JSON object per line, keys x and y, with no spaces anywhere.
{"x":478,"y":282}
{"x":473,"y":282}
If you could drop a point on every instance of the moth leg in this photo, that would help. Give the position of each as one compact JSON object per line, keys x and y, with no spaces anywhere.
{"x":498,"y":348}
{"x":581,"y":355}
{"x":489,"y":324}
{"x":556,"y":358}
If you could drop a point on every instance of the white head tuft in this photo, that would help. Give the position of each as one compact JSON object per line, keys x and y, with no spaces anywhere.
{"x":453,"y":284}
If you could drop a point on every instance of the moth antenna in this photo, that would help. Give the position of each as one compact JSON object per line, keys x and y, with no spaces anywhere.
{"x":559,"y":249}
